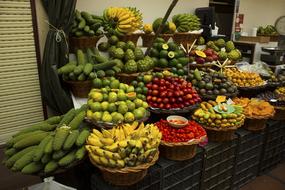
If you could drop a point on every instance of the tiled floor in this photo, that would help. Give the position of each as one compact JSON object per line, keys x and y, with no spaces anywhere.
{"x":274,"y":180}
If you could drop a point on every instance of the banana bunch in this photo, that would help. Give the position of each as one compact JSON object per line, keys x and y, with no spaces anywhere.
{"x":121,"y":20}
{"x":126,"y":145}
{"x":186,"y":22}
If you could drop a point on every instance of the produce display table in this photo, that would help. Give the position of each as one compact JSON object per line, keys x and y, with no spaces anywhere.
{"x":215,"y":166}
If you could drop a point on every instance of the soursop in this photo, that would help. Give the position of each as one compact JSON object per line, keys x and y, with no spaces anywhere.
{"x":129,"y":55}
{"x":131,"y":67}
{"x":138,"y":53}
{"x":234,"y":55}
{"x":130,"y":45}
{"x":119,"y":53}
{"x":230,"y":46}
{"x":223,"y":55}
{"x":220,"y":43}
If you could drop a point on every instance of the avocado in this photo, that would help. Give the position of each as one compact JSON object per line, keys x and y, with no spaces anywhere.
{"x":209,"y":86}
{"x":201,"y":84}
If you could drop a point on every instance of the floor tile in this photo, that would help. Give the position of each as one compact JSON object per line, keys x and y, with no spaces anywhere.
{"x":264,"y":183}
{"x":279,"y":172}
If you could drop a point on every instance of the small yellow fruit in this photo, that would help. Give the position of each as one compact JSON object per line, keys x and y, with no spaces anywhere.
{"x":147,"y":28}
{"x":172,"y":27}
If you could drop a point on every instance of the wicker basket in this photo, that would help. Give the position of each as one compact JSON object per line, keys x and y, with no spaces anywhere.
{"x":83,"y":42}
{"x":128,"y":78}
{"x":166,"y":37}
{"x":179,"y":151}
{"x":158,"y":69}
{"x":220,"y":134}
{"x":126,"y":176}
{"x":80,"y":89}
{"x":257,"y":123}
{"x":185,"y":38}
{"x":175,"y":111}
{"x":279,"y":113}
{"x":130,"y":37}
{"x":192,"y":66}
{"x":99,"y":125}
{"x":146,"y":39}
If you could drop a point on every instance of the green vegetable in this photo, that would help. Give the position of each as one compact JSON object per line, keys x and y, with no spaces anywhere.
{"x":70,"y":140}
{"x":80,"y":57}
{"x":23,"y":161}
{"x":90,"y":56}
{"x":59,"y":138}
{"x":105,"y":65}
{"x":79,"y":33}
{"x":10,"y":162}
{"x":92,"y":75}
{"x":77,"y":120}
{"x":110,"y":73}
{"x":100,"y":58}
{"x":87,"y":17}
{"x":80,"y":153}
{"x":40,"y":149}
{"x":48,"y":147}
{"x":51,"y":166}
{"x":88,"y":68}
{"x":59,"y":154}
{"x":53,"y":120}
{"x":9,"y":152}
{"x":31,"y":140}
{"x":46,"y":158}
{"x":72,"y":76}
{"x":81,"y":77}
{"x":67,"y":68}
{"x":19,"y":137}
{"x":67,"y":117}
{"x":78,"y":69}
{"x":82,"y":137}
{"x":82,"y":23}
{"x":32,"y":168}
{"x":68,"y":159}
{"x":86,"y":28}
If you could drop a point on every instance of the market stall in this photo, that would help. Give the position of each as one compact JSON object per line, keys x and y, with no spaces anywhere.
{"x":175,"y":112}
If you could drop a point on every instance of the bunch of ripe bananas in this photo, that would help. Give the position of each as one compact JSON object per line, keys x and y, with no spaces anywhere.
{"x":122,"y":20}
{"x":126,"y":145}
{"x":186,"y":22}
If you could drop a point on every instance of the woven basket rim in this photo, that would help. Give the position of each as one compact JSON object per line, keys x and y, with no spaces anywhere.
{"x":132,"y":74}
{"x":279,"y":107}
{"x":261,"y":117}
{"x":129,"y":169}
{"x":224,"y":129}
{"x":252,"y":88}
{"x":214,"y":96}
{"x":194,"y":142}
{"x":111,"y":125}
{"x":188,"y":33}
{"x":77,"y":82}
{"x":174,"y":111}
{"x":86,"y":37}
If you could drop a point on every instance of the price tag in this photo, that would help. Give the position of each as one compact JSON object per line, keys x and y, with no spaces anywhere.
{"x":221,"y":99}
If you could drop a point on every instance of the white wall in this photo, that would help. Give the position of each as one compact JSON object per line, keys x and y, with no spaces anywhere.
{"x":151,"y":9}
{"x":260,"y":12}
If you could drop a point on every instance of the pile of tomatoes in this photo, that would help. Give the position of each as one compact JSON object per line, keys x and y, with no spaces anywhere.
{"x":191,"y":131}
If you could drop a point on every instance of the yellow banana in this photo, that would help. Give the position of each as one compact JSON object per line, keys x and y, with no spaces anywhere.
{"x":122,"y":134}
{"x":138,"y":144}
{"x":94,"y":159}
{"x":112,"y":163}
{"x":120,"y":163}
{"x":94,"y":141}
{"x":113,"y":148}
{"x":97,"y":133}
{"x":125,"y":26}
{"x":116,"y":156}
{"x":132,"y":143}
{"x":123,"y":143}
{"x":90,"y":149}
{"x":124,"y":16}
{"x":106,"y":133}
{"x":107,"y":141}
{"x":127,"y":21}
{"x":98,"y":151}
{"x":108,"y":154}
{"x":104,"y":161}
